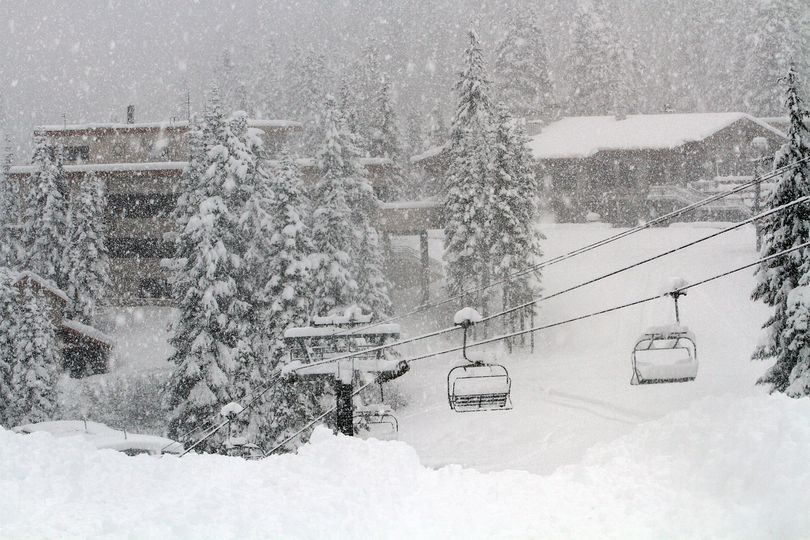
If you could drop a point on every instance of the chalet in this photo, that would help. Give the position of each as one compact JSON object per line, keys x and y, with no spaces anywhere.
{"x":140,"y":164}
{"x":624,"y":168}
{"x":84,"y":350}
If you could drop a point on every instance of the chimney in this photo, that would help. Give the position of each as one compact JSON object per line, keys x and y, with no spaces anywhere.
{"x":130,"y":114}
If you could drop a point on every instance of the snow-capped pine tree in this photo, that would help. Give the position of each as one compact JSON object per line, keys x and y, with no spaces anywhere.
{"x":521,"y":69}
{"x":784,"y":283}
{"x":86,"y":259}
{"x":388,"y":144}
{"x":210,"y":334}
{"x":333,"y":229}
{"x":469,"y":191}
{"x":45,"y":214}
{"x":35,"y":371}
{"x":515,"y":238}
{"x":308,"y":81}
{"x":9,"y":210}
{"x":366,"y":250}
{"x":595,"y":62}
{"x":9,"y":298}
{"x":284,"y":244}
{"x":775,"y":41}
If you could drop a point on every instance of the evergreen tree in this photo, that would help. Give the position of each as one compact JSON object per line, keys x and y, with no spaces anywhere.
{"x":784,"y":283}
{"x":308,"y":81}
{"x":8,"y":311}
{"x":285,"y":241}
{"x":86,"y":259}
{"x":595,"y":62}
{"x":388,"y":144}
{"x":36,"y":368}
{"x":774,"y":43}
{"x":469,"y":191}
{"x":45,"y":215}
{"x":9,"y":211}
{"x":332,"y":261}
{"x":515,"y":238}
{"x":521,"y":68}
{"x":210,"y":337}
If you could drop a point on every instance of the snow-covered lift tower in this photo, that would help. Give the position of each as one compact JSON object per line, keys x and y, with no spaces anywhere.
{"x":334,"y":336}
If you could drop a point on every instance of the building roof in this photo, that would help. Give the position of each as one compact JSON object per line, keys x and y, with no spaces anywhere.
{"x":44,"y":284}
{"x":87,"y":332}
{"x":583,"y":136}
{"x":146,"y":126}
{"x":305,"y":163}
{"x":109,"y":167}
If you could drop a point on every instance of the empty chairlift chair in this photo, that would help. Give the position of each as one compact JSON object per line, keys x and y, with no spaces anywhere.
{"x":479,"y":384}
{"x":666,"y":354}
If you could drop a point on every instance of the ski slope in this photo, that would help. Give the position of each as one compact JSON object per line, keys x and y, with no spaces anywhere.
{"x":574,"y":390}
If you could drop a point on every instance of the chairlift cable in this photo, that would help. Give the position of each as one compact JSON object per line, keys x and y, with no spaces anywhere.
{"x":584,"y":249}
{"x":314,"y":421}
{"x":611,"y":309}
{"x":561,"y":292}
{"x":543,"y":264}
{"x":650,"y":259}
{"x":501,"y":338}
{"x":275,"y":378}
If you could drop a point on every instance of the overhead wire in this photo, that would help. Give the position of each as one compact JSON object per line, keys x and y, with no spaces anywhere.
{"x":611,"y":309}
{"x":314,"y":421}
{"x":734,"y":227}
{"x":584,"y":249}
{"x":548,"y":326}
{"x":533,"y":268}
{"x":558,"y":293}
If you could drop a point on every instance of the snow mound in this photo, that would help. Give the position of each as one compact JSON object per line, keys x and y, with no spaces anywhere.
{"x":724,"y":468}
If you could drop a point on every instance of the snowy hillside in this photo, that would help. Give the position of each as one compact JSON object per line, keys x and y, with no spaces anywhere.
{"x":707,"y":471}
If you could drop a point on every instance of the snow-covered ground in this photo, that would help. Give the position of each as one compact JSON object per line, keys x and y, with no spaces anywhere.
{"x":583,"y":454}
{"x":720,"y":468}
{"x":574,"y":390}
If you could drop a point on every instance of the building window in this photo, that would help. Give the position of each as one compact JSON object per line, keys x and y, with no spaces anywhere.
{"x":76,"y":153}
{"x":140,"y":205}
{"x":154,"y":288}
{"x":145,"y":248}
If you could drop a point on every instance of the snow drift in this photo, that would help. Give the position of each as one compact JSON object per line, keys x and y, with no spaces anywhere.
{"x":725,"y":467}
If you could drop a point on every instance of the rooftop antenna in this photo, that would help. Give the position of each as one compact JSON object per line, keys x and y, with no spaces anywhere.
{"x":188,"y":105}
{"x":64,"y":119}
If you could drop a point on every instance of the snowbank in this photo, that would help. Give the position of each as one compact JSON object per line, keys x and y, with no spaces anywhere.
{"x":726,"y":467}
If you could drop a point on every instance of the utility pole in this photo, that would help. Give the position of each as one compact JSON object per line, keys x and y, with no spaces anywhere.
{"x":343,"y":396}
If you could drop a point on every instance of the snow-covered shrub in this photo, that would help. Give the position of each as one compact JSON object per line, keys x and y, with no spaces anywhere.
{"x":130,"y":401}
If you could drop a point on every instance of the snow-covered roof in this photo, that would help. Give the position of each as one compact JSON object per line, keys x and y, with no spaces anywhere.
{"x":110,"y":167}
{"x":407,"y":205}
{"x":430,"y":152}
{"x":325,"y":331}
{"x":173,"y":166}
{"x":583,"y":136}
{"x":43,"y":283}
{"x":178,"y":124}
{"x":89,"y":331}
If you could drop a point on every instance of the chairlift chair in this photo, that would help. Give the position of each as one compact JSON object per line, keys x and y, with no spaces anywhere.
{"x":665,"y":354}
{"x":478,"y":384}
{"x":380,"y":422}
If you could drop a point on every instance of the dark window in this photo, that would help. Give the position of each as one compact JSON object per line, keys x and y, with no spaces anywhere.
{"x":140,"y":205}
{"x":76,"y":153}
{"x":154,"y":288}
{"x":146,"y":248}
